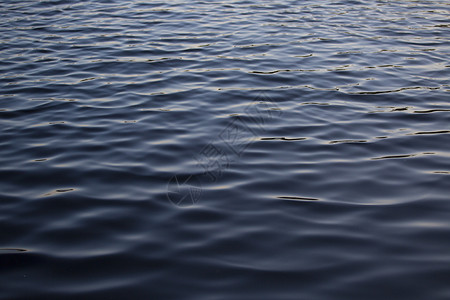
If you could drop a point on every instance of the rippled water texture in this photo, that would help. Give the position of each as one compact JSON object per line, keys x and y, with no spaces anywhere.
{"x":225,"y":150}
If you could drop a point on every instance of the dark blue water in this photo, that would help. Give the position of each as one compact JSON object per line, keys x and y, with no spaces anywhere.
{"x":225,"y":150}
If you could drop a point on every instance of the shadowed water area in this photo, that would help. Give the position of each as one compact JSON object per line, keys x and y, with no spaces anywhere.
{"x":225,"y":150}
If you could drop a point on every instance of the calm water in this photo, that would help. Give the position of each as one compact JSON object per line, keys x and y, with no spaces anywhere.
{"x":225,"y":150}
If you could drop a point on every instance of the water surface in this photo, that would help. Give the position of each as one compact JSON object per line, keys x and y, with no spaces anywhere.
{"x":224,"y":150}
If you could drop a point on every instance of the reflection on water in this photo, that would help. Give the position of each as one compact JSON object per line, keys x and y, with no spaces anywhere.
{"x":224,"y":150}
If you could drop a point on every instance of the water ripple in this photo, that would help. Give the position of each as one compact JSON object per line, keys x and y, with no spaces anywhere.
{"x":224,"y":150}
